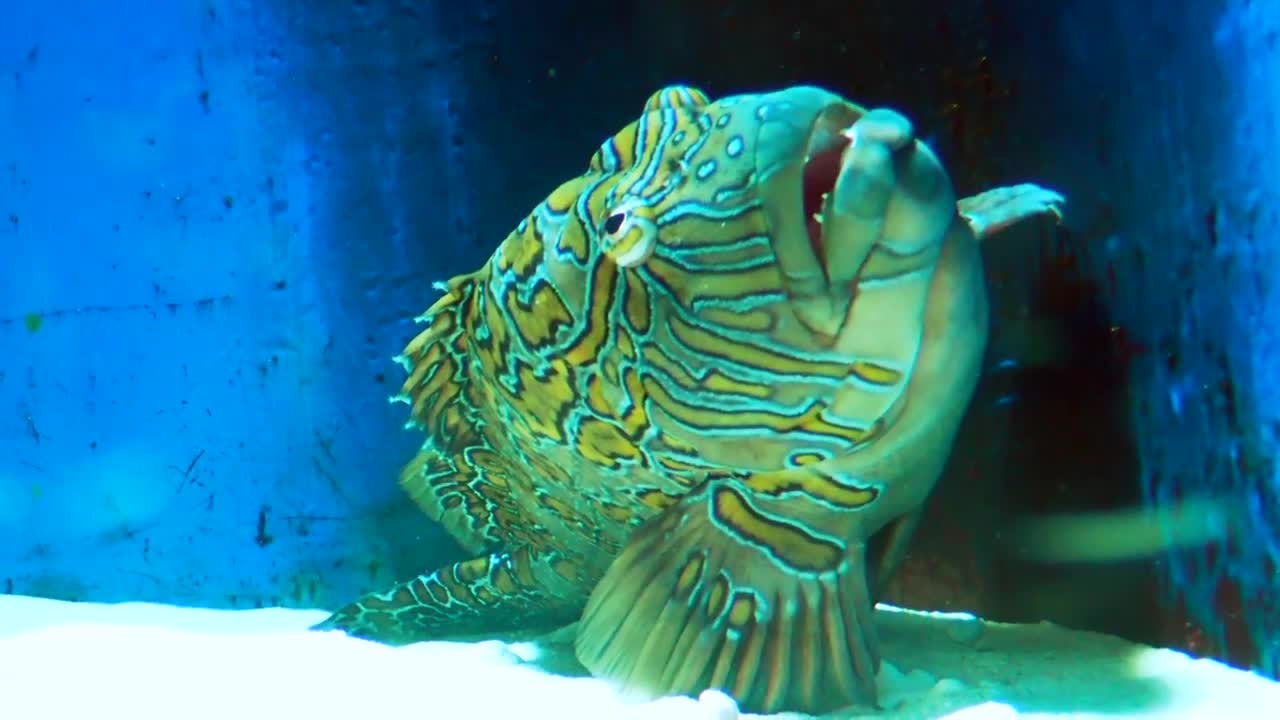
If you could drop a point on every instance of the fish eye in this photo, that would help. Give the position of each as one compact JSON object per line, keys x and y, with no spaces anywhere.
{"x":614,"y":222}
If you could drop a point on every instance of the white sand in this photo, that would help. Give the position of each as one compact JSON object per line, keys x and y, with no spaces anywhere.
{"x":79,"y":660}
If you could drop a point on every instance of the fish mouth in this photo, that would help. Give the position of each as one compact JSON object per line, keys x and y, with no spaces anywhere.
{"x":801,"y":150}
{"x":829,"y":137}
{"x":840,"y":187}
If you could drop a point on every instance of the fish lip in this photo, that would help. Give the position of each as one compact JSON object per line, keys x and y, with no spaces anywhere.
{"x":797,"y":135}
{"x":793,"y":133}
{"x":830,"y":136}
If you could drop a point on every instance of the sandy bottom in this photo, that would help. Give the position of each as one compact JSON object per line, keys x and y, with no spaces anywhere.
{"x":63,"y":660}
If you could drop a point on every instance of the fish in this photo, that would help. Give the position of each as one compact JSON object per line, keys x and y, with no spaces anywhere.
{"x":695,"y":400}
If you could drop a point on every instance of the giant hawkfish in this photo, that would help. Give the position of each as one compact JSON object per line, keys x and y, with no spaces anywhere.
{"x":697,"y":398}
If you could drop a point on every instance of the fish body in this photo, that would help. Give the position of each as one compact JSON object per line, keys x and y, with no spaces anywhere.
{"x":697,"y":397}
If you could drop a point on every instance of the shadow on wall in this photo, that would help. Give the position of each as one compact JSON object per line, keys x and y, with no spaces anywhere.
{"x":221,"y":220}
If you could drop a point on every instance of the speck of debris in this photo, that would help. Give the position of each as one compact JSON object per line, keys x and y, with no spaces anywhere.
{"x":261,"y":537}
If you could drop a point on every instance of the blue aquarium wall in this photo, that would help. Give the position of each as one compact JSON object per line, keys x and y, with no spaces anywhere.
{"x":220,"y":217}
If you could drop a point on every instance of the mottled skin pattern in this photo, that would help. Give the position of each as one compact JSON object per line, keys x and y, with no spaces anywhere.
{"x":676,"y":406}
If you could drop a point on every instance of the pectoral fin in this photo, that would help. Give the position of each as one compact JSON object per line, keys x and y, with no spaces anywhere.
{"x":991,"y":211}
{"x":720,"y":592}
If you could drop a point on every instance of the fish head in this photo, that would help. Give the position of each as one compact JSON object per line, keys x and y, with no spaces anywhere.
{"x":743,"y":270}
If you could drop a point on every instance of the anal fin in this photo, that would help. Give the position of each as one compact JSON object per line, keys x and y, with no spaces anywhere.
{"x":888,"y":549}
{"x":721,"y":591}
{"x":488,"y":595}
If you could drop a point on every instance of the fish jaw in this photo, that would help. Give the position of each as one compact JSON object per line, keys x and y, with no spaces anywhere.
{"x":840,"y":183}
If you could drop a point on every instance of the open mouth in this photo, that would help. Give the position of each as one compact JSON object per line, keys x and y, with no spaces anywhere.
{"x":827,"y":142}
